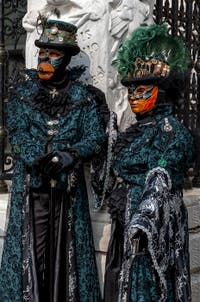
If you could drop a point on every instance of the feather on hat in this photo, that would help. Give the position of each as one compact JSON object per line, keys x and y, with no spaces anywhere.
{"x":151,"y":55}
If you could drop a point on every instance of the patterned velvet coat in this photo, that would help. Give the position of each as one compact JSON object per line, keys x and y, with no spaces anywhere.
{"x":63,"y":119}
{"x":150,"y":161}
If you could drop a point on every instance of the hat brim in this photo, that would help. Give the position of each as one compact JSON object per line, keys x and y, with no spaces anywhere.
{"x":152,"y":79}
{"x":72,"y":49}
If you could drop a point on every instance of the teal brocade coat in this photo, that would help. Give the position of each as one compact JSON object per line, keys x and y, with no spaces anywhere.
{"x":31,"y":130}
{"x":150,"y":161}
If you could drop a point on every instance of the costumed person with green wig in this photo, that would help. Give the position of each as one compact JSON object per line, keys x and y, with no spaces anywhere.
{"x":148,"y":257}
{"x":54,"y":127}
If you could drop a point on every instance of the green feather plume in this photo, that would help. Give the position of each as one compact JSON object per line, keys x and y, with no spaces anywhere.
{"x":153,"y":42}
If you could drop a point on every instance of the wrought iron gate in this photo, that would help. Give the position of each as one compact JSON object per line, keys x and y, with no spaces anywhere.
{"x":12,"y":45}
{"x":183,"y":16}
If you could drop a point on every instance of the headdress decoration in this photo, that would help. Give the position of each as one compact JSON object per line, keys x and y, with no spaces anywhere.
{"x":58,"y":34}
{"x":151,"y":55}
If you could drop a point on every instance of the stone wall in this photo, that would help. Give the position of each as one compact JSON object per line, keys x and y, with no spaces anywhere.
{"x":192,"y":201}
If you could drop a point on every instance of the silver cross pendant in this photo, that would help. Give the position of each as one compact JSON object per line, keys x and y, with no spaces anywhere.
{"x":53,"y":92}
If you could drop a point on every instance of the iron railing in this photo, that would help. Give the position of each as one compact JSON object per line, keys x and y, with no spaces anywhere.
{"x":183,"y":17}
{"x":12,"y":44}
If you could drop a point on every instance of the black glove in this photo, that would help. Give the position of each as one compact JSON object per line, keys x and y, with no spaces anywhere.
{"x":54,"y":163}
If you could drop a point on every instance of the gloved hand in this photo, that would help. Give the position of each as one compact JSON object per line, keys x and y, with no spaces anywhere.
{"x":55,"y":163}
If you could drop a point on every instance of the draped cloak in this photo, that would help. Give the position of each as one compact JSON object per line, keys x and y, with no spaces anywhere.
{"x":63,"y":119}
{"x":150,"y":161}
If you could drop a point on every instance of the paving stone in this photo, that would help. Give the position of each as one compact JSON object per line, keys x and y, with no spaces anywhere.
{"x":101,"y":260}
{"x":3,"y":212}
{"x":192,"y":202}
{"x":101,"y":234}
{"x":195,"y":281}
{"x":100,"y":216}
{"x":195,"y":252}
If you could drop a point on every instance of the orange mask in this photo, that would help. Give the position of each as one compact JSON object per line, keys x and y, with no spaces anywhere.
{"x":45,"y":71}
{"x":49,"y":61}
{"x":142,"y":98}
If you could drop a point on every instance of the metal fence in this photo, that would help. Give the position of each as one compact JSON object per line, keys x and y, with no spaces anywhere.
{"x":12,"y":44}
{"x":183,"y":17}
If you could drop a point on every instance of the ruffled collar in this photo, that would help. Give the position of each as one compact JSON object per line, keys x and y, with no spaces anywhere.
{"x":148,"y":119}
{"x":53,"y":98}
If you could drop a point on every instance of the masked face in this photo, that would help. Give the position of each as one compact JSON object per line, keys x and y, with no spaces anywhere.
{"x":51,"y":64}
{"x":142,"y":98}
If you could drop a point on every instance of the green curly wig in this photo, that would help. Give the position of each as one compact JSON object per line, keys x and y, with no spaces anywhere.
{"x":153,"y":42}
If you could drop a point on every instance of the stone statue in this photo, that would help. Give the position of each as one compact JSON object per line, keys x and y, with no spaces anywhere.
{"x":73,"y":11}
{"x":125,"y":16}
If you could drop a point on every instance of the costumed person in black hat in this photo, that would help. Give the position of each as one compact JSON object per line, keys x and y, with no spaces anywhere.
{"x":148,"y":257}
{"x":54,"y":127}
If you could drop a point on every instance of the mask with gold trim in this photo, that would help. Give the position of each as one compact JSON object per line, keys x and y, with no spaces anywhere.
{"x":142,"y":98}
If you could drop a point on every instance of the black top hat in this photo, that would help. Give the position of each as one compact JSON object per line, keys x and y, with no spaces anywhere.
{"x":147,"y":70}
{"x":58,"y":34}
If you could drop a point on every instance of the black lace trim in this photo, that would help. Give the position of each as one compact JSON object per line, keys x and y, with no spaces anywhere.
{"x":117,"y":204}
{"x":45,"y":102}
{"x":42,"y":98}
{"x":102,"y":106}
